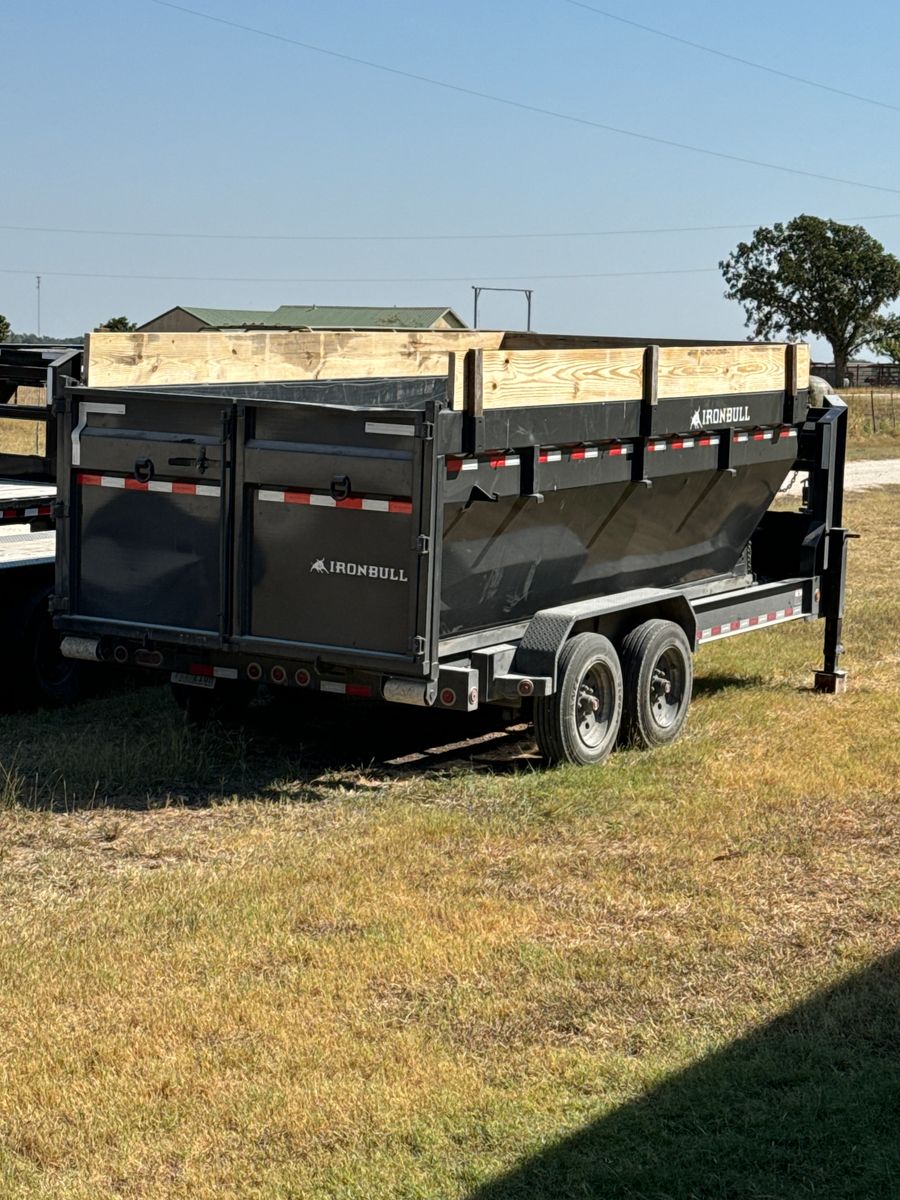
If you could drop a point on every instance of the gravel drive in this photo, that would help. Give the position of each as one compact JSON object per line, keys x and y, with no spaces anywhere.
{"x":869,"y":473}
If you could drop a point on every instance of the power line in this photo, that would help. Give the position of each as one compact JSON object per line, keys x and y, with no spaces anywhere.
{"x":403,"y":237}
{"x":522,"y":105}
{"x":311,"y":279}
{"x":745,"y":62}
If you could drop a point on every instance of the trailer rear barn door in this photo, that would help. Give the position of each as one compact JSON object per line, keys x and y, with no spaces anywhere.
{"x":332,"y":549}
{"x":148,"y":501}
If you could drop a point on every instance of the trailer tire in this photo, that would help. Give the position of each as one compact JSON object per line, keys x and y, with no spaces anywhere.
{"x":227,"y":702}
{"x":658,"y":673}
{"x":43,"y":675}
{"x":579,"y":723}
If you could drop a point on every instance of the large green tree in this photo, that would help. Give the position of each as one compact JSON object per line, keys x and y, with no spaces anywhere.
{"x":4,"y":329}
{"x":886,"y":339}
{"x":813,"y":277}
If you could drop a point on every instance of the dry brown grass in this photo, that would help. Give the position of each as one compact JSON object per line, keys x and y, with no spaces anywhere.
{"x":312,"y":979}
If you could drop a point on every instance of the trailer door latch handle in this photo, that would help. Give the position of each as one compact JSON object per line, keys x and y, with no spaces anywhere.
{"x":144,"y":469}
{"x":340,"y":487}
{"x":201,"y":462}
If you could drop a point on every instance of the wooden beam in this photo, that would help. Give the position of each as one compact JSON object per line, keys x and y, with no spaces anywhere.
{"x":720,"y":370}
{"x":154,"y":359}
{"x":511,"y":378}
{"x":523,"y":378}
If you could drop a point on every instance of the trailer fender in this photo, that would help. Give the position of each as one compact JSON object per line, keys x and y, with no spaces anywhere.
{"x":549,"y":630}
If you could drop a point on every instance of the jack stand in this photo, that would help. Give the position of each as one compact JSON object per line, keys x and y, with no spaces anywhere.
{"x":832,"y":682}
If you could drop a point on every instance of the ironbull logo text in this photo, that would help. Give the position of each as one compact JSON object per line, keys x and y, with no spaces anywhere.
{"x":322,"y":566}
{"x":704,"y":418}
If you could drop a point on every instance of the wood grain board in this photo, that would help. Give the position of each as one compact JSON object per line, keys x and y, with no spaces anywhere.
{"x":154,"y":359}
{"x":522,"y":378}
{"x":565,"y":372}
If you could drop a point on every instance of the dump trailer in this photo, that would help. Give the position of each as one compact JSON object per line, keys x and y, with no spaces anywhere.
{"x":30,"y":378}
{"x":554,"y":522}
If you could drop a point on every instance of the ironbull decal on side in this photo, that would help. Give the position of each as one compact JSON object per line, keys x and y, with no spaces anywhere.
{"x":705,"y":418}
{"x":323,"y":566}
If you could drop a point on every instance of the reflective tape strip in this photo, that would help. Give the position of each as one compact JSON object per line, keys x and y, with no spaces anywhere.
{"x":683,"y":443}
{"x":762,"y":435}
{"x":206,"y":671}
{"x":319,"y":500}
{"x":727,"y":628}
{"x":580,"y":453}
{"x":345,"y":689}
{"x":42,"y":510}
{"x":494,"y":461}
{"x":384,"y":427}
{"x":152,"y":485}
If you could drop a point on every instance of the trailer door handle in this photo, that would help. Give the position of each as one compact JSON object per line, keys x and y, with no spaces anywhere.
{"x":144,"y":469}
{"x":201,"y":462}
{"x":340,"y":487}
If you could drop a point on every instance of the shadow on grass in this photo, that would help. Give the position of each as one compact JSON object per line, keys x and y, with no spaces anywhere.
{"x":132,"y":747}
{"x":711,"y":685}
{"x":806,"y":1106}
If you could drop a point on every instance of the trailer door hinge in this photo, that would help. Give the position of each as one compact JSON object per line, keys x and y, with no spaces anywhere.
{"x":59,"y":509}
{"x":423,"y":543}
{"x":426,"y":431}
{"x":418,"y":646}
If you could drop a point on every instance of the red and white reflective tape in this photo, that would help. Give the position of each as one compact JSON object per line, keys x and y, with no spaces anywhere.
{"x":11,"y":514}
{"x":580,"y":453}
{"x":727,"y":628}
{"x":319,"y":500}
{"x":494,"y":461}
{"x":178,"y":488}
{"x":345,"y":689}
{"x":763,"y":435}
{"x":209,"y":672}
{"x":681,"y":443}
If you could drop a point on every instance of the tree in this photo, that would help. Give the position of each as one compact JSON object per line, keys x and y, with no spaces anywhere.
{"x":117,"y":325}
{"x":813,"y":277}
{"x":4,"y":329}
{"x":886,"y":340}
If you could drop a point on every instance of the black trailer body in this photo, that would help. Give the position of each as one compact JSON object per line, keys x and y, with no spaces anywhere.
{"x":33,"y":667}
{"x":383,"y":537}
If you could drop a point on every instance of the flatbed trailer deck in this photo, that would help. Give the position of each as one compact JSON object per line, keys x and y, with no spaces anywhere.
{"x":557,"y":522}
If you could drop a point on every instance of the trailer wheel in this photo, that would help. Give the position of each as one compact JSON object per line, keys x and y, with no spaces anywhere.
{"x":226,"y":702}
{"x":44,"y":676}
{"x":579,"y":723}
{"x":658,"y":672}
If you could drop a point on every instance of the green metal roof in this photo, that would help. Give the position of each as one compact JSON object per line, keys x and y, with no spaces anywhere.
{"x":324,"y":316}
{"x":228,"y":316}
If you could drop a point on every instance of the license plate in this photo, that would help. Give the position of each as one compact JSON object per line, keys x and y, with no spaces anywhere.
{"x":200,"y":681}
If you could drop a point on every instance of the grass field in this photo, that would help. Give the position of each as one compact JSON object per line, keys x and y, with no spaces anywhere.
{"x":872,"y":430}
{"x":272,"y":964}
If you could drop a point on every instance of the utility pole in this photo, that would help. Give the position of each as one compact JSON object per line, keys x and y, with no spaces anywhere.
{"x":526,"y":292}
{"x":37,"y":280}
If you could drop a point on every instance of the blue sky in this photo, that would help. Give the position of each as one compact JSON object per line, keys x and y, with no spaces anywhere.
{"x":125,"y":115}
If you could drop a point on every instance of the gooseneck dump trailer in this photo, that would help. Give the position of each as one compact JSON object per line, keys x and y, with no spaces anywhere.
{"x":553,"y":520}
